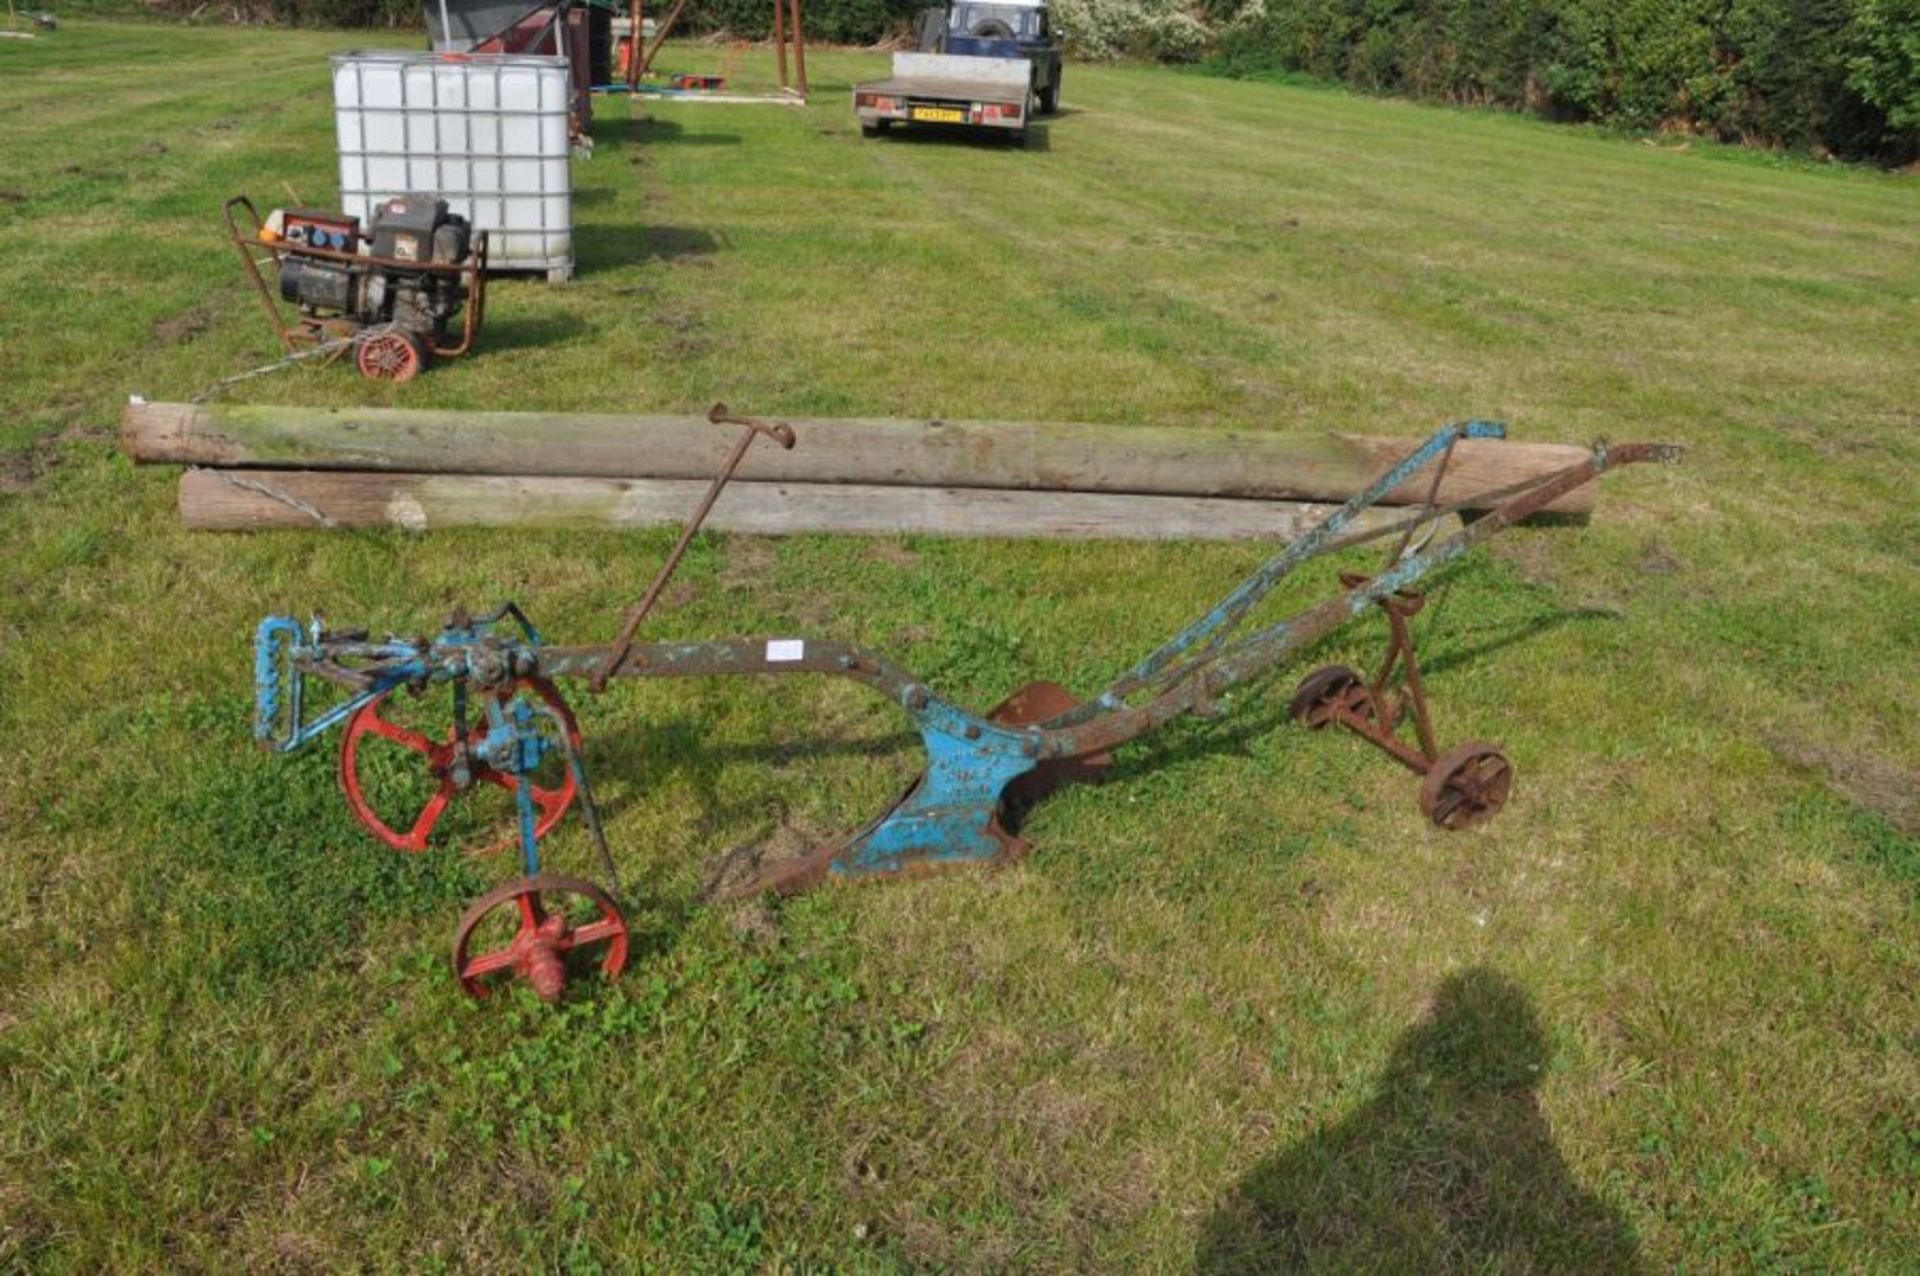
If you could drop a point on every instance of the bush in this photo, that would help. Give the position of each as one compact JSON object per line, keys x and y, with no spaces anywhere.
{"x":1884,"y":68}
{"x":1155,"y":29}
{"x":1825,"y":75}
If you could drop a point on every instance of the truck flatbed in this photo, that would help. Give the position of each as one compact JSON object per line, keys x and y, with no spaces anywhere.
{"x":948,"y":89}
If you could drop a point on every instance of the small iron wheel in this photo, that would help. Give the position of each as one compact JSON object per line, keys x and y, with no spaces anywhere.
{"x":535,"y":924}
{"x":1324,"y":691}
{"x":1466,"y":785}
{"x":391,"y":356}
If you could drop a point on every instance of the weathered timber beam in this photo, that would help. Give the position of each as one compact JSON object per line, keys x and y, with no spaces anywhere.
{"x":219,"y":500}
{"x":1024,"y":456}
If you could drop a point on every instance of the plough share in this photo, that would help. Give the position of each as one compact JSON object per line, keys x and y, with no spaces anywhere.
{"x":982,"y":770}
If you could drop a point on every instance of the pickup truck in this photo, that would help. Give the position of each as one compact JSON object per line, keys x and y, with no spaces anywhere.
{"x":978,"y":65}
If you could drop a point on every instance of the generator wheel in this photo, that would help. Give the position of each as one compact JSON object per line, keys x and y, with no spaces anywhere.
{"x":391,"y":356}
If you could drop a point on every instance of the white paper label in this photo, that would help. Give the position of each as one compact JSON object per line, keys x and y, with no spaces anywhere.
{"x":779,"y":649}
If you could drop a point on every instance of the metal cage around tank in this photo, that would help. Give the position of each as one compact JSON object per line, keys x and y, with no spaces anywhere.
{"x":486,"y":132}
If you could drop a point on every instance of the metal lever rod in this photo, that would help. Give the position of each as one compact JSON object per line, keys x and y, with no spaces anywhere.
{"x":780,"y":432}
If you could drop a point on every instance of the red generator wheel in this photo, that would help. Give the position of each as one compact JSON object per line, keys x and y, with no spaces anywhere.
{"x":391,"y":356}
{"x":536,"y":924}
{"x":370,"y":723}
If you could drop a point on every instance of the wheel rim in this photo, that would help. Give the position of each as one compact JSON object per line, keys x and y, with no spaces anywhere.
{"x":1325,"y":691}
{"x":1466,"y":785}
{"x":370,"y":722}
{"x":390,"y":356}
{"x":543,"y":935}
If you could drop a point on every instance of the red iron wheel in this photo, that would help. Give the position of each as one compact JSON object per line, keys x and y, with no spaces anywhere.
{"x":1466,"y":785}
{"x":391,"y":356}
{"x":370,"y":721}
{"x":1322,"y":693}
{"x":551,"y":917}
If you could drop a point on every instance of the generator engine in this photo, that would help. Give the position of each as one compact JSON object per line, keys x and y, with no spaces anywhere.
{"x":406,"y":276}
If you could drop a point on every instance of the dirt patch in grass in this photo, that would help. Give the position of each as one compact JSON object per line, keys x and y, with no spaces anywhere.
{"x":794,"y":840}
{"x":21,"y":469}
{"x":17,"y":471}
{"x":1888,"y":790}
{"x":1531,"y":556}
{"x":748,"y":563}
{"x":179,"y":329}
{"x":1657,"y":560}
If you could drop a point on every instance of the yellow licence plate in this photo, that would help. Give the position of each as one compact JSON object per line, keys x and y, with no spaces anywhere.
{"x":939,"y":115}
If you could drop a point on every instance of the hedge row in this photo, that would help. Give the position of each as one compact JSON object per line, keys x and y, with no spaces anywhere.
{"x":1825,"y":75}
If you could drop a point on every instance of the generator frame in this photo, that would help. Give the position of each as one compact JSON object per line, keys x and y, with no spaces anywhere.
{"x":310,"y":332}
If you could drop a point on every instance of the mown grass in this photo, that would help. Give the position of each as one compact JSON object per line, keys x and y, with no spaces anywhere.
{"x":1241,"y":1007}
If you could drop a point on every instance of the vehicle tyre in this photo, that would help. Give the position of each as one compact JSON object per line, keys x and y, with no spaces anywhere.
{"x":1050,"y":96}
{"x":870,"y":130}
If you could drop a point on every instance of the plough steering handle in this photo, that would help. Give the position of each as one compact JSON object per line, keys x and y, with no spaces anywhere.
{"x":780,"y":432}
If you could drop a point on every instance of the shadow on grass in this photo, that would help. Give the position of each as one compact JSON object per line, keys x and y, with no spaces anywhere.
{"x":526,"y":332}
{"x":682,"y":747}
{"x":653,"y":131}
{"x":1494,"y":638}
{"x":599,"y":246}
{"x":938,"y":135}
{"x":1451,"y":1166}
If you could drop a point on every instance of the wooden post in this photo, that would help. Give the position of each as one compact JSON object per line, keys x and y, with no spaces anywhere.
{"x":780,"y":38}
{"x":637,"y":25}
{"x":660,"y":36}
{"x":799,"y":50}
{"x":894,"y":453}
{"x":221,"y":500}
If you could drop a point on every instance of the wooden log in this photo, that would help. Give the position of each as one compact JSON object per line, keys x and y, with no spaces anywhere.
{"x":1022,"y":456}
{"x":220,"y":500}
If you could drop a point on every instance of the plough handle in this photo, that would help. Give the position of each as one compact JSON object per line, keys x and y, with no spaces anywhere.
{"x":780,"y":432}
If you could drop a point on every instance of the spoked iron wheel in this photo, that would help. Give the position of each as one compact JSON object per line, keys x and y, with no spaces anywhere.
{"x":1466,"y":785}
{"x":530,"y":927}
{"x":372,"y":729}
{"x":391,"y":356}
{"x":1327,"y":690}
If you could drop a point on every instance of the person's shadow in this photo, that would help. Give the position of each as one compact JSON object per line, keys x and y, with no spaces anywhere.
{"x":1449,"y":1166}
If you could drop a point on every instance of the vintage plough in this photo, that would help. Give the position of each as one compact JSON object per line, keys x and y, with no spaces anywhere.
{"x":982,"y":770}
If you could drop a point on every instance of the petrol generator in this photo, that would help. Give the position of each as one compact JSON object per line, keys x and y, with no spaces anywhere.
{"x":389,"y":291}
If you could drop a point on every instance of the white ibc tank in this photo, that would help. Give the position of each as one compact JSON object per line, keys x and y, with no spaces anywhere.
{"x":488,"y":132}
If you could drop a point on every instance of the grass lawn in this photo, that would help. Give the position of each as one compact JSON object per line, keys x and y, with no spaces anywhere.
{"x":1242,"y":1007}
